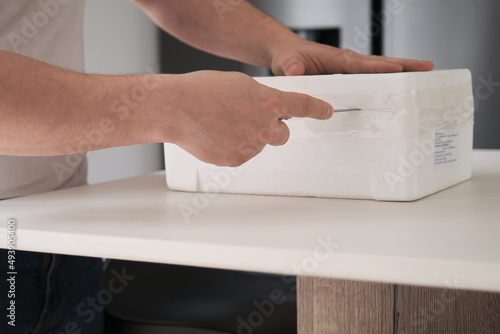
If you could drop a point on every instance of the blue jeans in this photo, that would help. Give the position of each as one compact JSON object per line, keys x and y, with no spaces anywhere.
{"x":54,"y":294}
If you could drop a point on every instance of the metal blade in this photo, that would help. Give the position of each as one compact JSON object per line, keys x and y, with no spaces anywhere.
{"x":344,"y":110}
{"x":284,"y":118}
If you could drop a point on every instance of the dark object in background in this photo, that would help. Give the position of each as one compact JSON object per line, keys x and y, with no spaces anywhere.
{"x":160,"y":296}
{"x":324,"y":36}
{"x":177,"y":57}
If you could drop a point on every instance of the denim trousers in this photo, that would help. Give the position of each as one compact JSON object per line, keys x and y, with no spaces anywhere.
{"x":52,"y":294}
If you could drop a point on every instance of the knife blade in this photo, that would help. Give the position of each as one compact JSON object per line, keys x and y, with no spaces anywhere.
{"x":285,"y":118}
{"x":344,"y":110}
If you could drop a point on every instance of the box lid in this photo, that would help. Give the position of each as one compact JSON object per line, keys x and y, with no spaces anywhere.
{"x":392,"y":104}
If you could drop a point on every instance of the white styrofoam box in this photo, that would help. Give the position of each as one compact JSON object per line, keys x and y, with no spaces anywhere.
{"x":411,"y":138}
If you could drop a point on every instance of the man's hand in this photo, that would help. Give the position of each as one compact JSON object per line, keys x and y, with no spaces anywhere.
{"x":246,"y":34}
{"x":301,"y":57}
{"x":230,"y":118}
{"x":219,"y":117}
{"x":227,"y":118}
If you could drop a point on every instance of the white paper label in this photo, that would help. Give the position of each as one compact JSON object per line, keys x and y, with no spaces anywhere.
{"x":445,"y":148}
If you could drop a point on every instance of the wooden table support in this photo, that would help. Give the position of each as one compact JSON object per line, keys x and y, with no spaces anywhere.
{"x":330,"y":306}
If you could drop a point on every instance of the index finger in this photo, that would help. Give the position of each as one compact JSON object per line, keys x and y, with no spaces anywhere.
{"x":302,"y":105}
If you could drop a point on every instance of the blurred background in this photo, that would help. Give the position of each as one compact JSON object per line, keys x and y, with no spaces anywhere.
{"x":120,"y":39}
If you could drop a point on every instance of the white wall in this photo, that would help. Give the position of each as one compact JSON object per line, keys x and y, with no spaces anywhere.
{"x":120,"y":39}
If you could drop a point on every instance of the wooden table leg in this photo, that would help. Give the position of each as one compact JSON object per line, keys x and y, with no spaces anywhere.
{"x":435,"y":310}
{"x":328,"y":306}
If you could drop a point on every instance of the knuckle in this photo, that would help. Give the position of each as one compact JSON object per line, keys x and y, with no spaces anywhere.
{"x":307,"y":106}
{"x":234,"y":162}
{"x":274,"y":105}
{"x":285,"y":137}
{"x":237,"y":159}
{"x":282,"y":137}
{"x":348,"y":53}
{"x":346,"y":56}
{"x":265,"y":136}
{"x":237,"y":75}
{"x":245,"y":152}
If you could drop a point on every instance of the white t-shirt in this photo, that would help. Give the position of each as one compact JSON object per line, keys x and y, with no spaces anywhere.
{"x":50,"y":31}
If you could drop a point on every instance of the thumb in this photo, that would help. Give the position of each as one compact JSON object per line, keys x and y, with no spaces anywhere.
{"x":295,"y":68}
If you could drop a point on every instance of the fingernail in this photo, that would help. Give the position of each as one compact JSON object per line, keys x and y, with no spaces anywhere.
{"x":329,"y":113}
{"x":290,"y":68}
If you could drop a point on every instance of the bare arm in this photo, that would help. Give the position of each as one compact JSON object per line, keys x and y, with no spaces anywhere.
{"x":46,"y":110}
{"x":237,"y":30}
{"x":232,"y":29}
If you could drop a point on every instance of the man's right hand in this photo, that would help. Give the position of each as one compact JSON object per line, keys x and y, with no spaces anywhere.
{"x":226,"y":118}
{"x":221,"y":118}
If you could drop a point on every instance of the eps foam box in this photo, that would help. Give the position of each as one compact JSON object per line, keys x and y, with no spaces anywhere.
{"x":411,"y":137}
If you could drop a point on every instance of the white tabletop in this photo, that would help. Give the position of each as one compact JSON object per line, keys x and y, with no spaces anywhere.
{"x":449,"y":239}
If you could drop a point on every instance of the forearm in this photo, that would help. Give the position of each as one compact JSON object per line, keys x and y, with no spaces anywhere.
{"x":46,"y":110}
{"x":231,"y":29}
